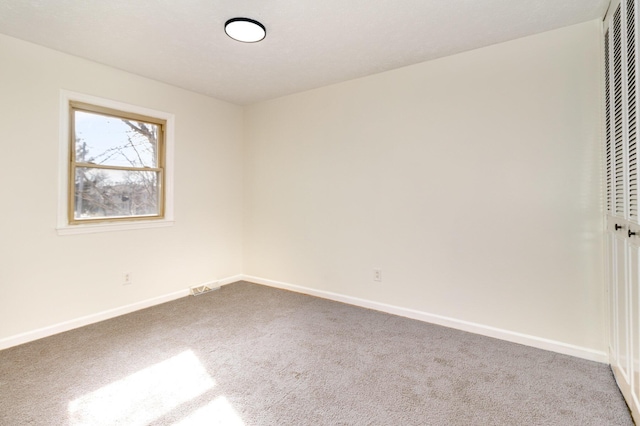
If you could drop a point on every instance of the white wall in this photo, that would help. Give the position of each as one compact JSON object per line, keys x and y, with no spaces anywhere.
{"x":473,"y":181}
{"x":46,"y":279}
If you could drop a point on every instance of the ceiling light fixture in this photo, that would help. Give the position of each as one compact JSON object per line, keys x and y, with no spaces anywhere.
{"x":245,"y":30}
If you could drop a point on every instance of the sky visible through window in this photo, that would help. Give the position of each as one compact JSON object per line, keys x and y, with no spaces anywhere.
{"x":110,"y":141}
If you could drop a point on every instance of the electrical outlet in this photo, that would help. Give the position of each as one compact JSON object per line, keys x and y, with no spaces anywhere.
{"x":126,"y":278}
{"x":377,"y":274}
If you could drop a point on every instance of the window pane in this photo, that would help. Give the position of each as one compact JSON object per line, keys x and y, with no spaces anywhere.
{"x":101,"y":193}
{"x":115,"y":141}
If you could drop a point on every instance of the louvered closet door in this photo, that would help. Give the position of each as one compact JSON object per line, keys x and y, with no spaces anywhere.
{"x":621,"y":153}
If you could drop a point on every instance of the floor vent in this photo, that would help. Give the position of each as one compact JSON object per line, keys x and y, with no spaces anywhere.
{"x":201,"y":289}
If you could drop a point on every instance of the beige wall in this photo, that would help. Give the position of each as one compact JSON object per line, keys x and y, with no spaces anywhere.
{"x":472,"y":181}
{"x":45,"y":278}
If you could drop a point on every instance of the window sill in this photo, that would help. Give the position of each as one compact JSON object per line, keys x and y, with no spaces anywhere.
{"x":110,"y":227}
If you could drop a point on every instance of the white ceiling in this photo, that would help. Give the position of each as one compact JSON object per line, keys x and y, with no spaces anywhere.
{"x":309,"y":43}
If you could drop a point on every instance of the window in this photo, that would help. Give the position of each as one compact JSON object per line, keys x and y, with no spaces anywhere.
{"x":117,"y":166}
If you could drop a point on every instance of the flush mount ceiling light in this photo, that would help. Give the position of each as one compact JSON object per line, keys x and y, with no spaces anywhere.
{"x":245,"y":30}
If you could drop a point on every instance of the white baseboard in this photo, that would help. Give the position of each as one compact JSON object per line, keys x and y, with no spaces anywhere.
{"x":225,"y":281}
{"x":39,"y":333}
{"x":511,"y":336}
{"x":498,"y":333}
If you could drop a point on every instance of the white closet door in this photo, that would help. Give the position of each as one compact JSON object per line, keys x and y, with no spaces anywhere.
{"x":621,"y":198}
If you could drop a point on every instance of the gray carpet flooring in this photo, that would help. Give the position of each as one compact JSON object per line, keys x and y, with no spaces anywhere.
{"x":253,"y":355}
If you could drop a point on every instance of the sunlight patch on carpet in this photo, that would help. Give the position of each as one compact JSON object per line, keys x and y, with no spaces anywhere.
{"x":217,"y":412}
{"x":145,"y":395}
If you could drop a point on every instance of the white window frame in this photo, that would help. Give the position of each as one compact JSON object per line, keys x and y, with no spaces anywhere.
{"x":66,"y":228}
